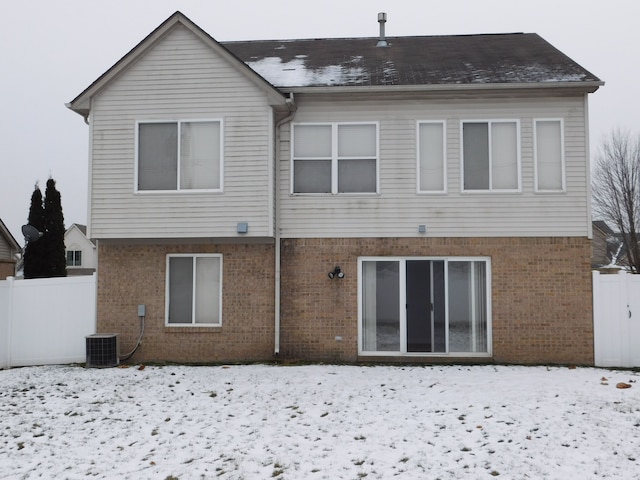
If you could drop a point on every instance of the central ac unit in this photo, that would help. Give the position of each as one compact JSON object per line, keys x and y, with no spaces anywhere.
{"x":102,"y":350}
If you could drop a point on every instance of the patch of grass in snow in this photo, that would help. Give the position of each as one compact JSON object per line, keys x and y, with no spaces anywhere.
{"x":277,"y":470}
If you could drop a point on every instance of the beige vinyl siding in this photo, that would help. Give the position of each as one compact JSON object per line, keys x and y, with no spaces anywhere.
{"x":5,"y":250}
{"x":181,"y":78}
{"x":399,"y":209}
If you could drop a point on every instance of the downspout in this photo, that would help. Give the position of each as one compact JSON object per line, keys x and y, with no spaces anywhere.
{"x":588,"y":166}
{"x":291,"y":106}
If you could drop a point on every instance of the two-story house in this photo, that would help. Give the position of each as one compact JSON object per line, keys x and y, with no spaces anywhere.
{"x":403,"y":198}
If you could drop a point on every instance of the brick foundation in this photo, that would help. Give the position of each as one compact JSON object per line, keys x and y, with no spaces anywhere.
{"x":541,"y":299}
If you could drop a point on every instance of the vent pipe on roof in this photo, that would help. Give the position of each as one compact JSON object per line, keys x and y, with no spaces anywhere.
{"x":382,"y":19}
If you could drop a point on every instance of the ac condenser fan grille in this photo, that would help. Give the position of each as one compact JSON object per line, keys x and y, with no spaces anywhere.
{"x":102,"y":350}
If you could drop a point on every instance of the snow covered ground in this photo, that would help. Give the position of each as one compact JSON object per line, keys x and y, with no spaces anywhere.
{"x":319,"y":422}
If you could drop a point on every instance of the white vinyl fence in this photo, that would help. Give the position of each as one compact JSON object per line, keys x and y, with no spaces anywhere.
{"x":616,"y":319}
{"x":45,"y":321}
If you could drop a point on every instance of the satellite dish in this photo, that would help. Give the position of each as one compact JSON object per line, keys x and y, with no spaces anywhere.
{"x":31,"y":233}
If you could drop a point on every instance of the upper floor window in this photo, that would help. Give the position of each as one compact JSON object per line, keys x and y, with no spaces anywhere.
{"x":549,"y":155}
{"x":74,"y":258}
{"x":335,"y":158}
{"x":179,"y":155}
{"x":490,"y":155}
{"x":431,"y":157}
{"x":194,"y":290}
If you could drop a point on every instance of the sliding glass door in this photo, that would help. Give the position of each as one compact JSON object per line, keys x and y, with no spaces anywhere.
{"x":424,"y":306}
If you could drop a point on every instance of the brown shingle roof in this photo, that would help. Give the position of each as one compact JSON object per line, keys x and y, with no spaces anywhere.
{"x":423,"y":60}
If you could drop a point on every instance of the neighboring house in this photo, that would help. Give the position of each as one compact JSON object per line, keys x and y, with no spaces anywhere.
{"x":9,"y":252}
{"x":443,"y":182}
{"x":607,"y":248}
{"x":82,"y":256}
{"x":601,"y":244}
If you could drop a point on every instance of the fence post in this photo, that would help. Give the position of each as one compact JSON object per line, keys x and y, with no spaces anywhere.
{"x":597,"y":333}
{"x":10,"y":321}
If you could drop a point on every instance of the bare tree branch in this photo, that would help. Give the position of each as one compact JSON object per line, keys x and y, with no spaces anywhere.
{"x":616,"y":190}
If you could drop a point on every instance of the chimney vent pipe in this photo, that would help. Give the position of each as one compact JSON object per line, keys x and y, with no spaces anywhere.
{"x":382,"y":19}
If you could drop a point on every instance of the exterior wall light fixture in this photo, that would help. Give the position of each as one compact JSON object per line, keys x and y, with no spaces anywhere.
{"x":336,"y":273}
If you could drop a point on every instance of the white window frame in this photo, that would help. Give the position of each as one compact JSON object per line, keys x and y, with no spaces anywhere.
{"x":444,"y":157}
{"x":490,"y":122}
{"x":335,"y":158}
{"x":403,"y":311}
{"x":562,"y":155}
{"x":194,"y":256}
{"x":74,"y":251}
{"x":178,"y":123}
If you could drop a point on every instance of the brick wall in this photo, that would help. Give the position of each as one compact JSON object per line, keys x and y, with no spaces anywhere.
{"x":541,"y":295}
{"x":7,"y":269}
{"x":541,"y":299}
{"x":129,"y":275}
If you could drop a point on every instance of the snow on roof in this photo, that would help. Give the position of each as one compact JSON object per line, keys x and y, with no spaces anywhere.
{"x":457,"y":59}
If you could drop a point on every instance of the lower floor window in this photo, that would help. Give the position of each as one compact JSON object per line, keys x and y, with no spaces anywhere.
{"x":424,"y":306}
{"x":194,"y":290}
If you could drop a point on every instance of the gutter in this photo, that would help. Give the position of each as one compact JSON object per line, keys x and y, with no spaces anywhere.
{"x":292,"y":107}
{"x":590,"y":87}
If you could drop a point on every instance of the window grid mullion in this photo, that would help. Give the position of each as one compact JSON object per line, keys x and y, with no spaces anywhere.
{"x":193,"y":291}
{"x":334,"y":158}
{"x":403,"y":305}
{"x":446,"y":306}
{"x":178,"y":159}
{"x":474,"y":313}
{"x":432,"y":322}
{"x":490,"y":144}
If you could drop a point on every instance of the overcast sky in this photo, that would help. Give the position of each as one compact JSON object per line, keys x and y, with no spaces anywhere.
{"x":51,"y":50}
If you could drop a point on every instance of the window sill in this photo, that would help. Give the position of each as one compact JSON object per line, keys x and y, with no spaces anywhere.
{"x":426,"y":354}
{"x":193,"y":329}
{"x":178,"y":192}
{"x":341,"y":194}
{"x":550,"y":192}
{"x":491,"y":192}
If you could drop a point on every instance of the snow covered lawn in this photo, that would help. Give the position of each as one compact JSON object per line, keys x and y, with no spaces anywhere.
{"x":319,"y":421}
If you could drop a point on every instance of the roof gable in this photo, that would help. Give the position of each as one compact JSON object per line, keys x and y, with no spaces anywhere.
{"x":82,"y":103}
{"x":77,"y":233}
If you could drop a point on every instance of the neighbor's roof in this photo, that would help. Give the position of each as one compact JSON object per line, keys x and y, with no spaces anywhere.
{"x":603,"y":227}
{"x":11,"y":241}
{"x":82,"y":228}
{"x":515,"y":58}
